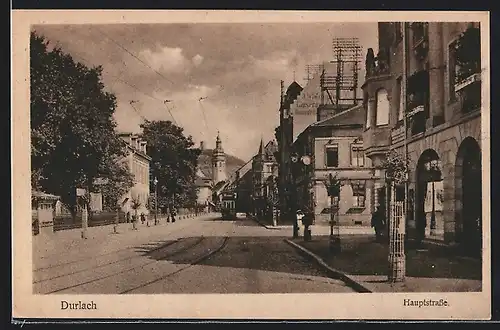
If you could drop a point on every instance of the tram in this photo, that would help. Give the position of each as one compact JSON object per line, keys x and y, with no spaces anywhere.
{"x":228,"y":205}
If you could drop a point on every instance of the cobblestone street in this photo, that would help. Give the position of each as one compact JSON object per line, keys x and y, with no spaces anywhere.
{"x":198,"y":255}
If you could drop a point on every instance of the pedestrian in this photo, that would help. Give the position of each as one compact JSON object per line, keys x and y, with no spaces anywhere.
{"x":128,"y":217}
{"x":143,"y":218}
{"x":378,"y":223}
{"x":173,"y":213}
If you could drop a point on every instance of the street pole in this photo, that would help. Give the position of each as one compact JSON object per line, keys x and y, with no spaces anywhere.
{"x":117,"y":219}
{"x":156,"y":200}
{"x":85,"y":219}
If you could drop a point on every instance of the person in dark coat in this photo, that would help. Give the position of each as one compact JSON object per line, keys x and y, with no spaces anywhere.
{"x":173,"y":213}
{"x":378,"y":223}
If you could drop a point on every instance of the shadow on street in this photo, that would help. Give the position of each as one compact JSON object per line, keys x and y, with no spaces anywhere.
{"x":257,"y":253}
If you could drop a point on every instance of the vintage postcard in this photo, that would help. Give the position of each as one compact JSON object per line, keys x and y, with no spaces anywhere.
{"x":251,"y":165}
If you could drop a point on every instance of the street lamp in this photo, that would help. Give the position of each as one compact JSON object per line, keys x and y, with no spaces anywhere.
{"x":155,"y":182}
{"x":305,"y":161}
{"x":333,"y":190}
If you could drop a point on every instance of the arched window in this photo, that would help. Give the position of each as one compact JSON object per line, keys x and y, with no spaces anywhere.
{"x":382,"y":112}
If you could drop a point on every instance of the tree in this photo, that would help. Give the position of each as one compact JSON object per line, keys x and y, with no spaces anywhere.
{"x":73,"y":136}
{"x":396,"y":167}
{"x":174,"y":163}
{"x":120,"y":183}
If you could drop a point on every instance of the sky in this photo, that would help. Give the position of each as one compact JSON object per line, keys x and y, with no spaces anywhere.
{"x":235,"y":68}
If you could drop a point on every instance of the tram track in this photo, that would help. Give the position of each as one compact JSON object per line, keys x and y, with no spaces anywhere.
{"x":158,"y":248}
{"x":129,"y":269}
{"x":189,"y":265}
{"x":116,"y":251}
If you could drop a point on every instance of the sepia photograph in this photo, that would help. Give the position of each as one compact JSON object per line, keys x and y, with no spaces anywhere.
{"x":292,"y":159}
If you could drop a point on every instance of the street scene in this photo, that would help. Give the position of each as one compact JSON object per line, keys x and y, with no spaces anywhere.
{"x":254,"y":158}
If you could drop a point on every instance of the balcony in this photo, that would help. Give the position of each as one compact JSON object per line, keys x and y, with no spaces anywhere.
{"x":377,"y":66}
{"x":417,"y":114}
{"x":420,"y":39}
{"x":467,"y":51}
{"x":418,"y":105}
{"x":469,"y":92}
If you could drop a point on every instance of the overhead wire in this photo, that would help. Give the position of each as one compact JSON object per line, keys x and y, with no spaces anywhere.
{"x":123,"y":48}
{"x":116,"y":78}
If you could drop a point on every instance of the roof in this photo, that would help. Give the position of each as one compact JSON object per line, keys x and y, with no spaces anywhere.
{"x":203,"y":182}
{"x":219,"y":185}
{"x":269,"y":151}
{"x":351,"y":116}
{"x":40,"y":194}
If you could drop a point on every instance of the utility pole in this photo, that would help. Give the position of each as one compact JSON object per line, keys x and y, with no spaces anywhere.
{"x":156,"y":200}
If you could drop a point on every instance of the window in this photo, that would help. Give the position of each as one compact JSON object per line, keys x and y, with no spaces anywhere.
{"x":358,"y":193}
{"x":382,"y":110}
{"x":401,"y":99}
{"x":332,"y":156}
{"x":369,"y":106}
{"x":357,"y":156}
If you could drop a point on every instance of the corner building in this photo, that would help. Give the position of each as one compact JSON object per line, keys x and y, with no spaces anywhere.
{"x":443,"y":93}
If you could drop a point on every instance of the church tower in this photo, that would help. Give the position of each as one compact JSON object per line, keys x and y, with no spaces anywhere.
{"x":218,"y":162}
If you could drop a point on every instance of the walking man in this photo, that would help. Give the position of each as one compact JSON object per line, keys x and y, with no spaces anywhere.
{"x":378,"y":223}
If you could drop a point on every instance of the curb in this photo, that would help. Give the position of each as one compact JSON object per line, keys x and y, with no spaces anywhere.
{"x":334,"y":273}
{"x":264,"y":225}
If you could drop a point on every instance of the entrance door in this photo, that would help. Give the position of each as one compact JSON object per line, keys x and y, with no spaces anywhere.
{"x":472,"y":202}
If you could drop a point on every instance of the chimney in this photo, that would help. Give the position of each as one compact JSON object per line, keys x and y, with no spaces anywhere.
{"x":202,"y":145}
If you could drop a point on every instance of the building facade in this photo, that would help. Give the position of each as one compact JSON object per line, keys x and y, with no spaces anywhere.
{"x":443,"y":131}
{"x":263,"y":165}
{"x":138,"y":163}
{"x":335,"y":147}
{"x":244,"y":187}
{"x":284,"y":137}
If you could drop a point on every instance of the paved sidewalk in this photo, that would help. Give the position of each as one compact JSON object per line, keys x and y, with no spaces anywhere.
{"x":363,"y":264}
{"x":68,"y":244}
{"x":322,"y":230}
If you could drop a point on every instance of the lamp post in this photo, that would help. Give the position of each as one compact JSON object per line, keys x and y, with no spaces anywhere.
{"x":155,"y":182}
{"x":305,"y":161}
{"x":333,"y":189}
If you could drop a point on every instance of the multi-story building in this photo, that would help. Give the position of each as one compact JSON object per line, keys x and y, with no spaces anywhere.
{"x":443,"y":124}
{"x":284,"y":137}
{"x":138,"y":163}
{"x":335,"y":147}
{"x":244,"y":185}
{"x":263,"y":165}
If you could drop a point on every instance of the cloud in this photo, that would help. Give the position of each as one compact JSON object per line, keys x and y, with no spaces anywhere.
{"x":197,"y":59}
{"x":165,"y":59}
{"x":237,"y":67}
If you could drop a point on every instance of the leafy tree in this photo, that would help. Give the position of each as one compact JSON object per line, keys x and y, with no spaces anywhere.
{"x":113,"y":190}
{"x":174,"y":162}
{"x":72,"y":127}
{"x":396,"y":166}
